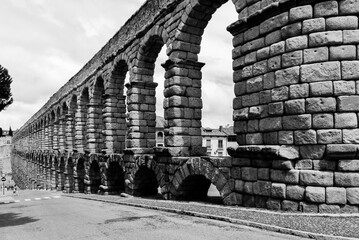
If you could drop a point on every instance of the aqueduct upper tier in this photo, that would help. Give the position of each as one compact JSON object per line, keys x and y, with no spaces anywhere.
{"x":295,"y":110}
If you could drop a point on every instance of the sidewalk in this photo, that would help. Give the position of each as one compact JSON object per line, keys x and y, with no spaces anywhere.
{"x":7,"y":198}
{"x":316,"y":226}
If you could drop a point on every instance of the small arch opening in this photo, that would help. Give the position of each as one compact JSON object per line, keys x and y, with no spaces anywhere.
{"x":80,"y":176}
{"x":145,"y":183}
{"x":95,"y":177}
{"x":115,"y":178}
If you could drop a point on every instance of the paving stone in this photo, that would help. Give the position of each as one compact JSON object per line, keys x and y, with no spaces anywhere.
{"x":312,"y":151}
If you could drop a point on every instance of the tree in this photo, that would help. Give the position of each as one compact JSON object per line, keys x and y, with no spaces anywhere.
{"x":10,"y":132}
{"x":0,"y":132}
{"x":5,"y":89}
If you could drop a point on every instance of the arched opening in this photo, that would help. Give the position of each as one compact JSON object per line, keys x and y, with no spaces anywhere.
{"x":81,"y":121}
{"x":145,"y":182}
{"x":70,"y":124}
{"x":95,"y":177}
{"x":69,"y":185}
{"x":80,"y":175}
{"x":115,"y":178}
{"x":95,"y":123}
{"x":114,"y":116}
{"x":56,"y":177}
{"x":62,"y":174}
{"x":62,"y":126}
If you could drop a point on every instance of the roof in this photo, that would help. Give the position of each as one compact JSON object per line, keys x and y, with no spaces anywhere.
{"x":212,"y":132}
{"x":228,"y":131}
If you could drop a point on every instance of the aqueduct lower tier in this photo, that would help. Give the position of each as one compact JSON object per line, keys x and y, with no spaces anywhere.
{"x":295,"y":110}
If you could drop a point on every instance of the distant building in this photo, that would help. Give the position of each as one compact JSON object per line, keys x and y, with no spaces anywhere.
{"x":160,"y":135}
{"x":218,"y":140}
{"x":5,"y":153}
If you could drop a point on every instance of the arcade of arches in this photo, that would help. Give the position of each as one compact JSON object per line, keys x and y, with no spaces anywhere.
{"x":295,"y":110}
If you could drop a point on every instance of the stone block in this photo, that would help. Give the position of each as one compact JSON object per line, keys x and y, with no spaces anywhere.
{"x":260,"y":67}
{"x":324,"y":208}
{"x":351,"y":36}
{"x":322,"y":104}
{"x":304,"y":164}
{"x":349,"y":7}
{"x":344,"y":88}
{"x":236,"y":172}
{"x":321,"y":88}
{"x":345,"y":52}
{"x":299,"y":91}
{"x":296,"y":106}
{"x":325,"y":38}
{"x":308,"y":207}
{"x":342,"y":22}
{"x":316,"y":178}
{"x":351,"y":136}
{"x":287,"y":76}
{"x":282,"y":164}
{"x":335,"y":195}
{"x":282,"y":176}
{"x":278,"y":190}
{"x":296,"y":43}
{"x":348,"y":103}
{"x":300,"y":13}
{"x":270,"y":138}
{"x":273,"y":23}
{"x":249,"y":174}
{"x":248,"y":200}
{"x":291,"y":206}
{"x":273,"y":37}
{"x":280,"y":93}
{"x":268,"y":80}
{"x":260,"y":201}
{"x":240,"y":114}
{"x":261,"y":163}
{"x":317,"y":72}
{"x":348,"y":165}
{"x":285,"y":137}
{"x":277,"y":48}
{"x":263,"y":173}
{"x":253,"y":125}
{"x":325,"y":9}
{"x":346,"y":179}
{"x":349,"y":209}
{"x":312,"y":151}
{"x":323,"y":120}
{"x":313,"y":25}
{"x":315,"y":194}
{"x":270,"y":124}
{"x":293,"y":122}
{"x":263,"y":53}
{"x":324,"y":165}
{"x":305,"y":137}
{"x":341,"y":151}
{"x":262,"y":188}
{"x":265,"y":97}
{"x":248,"y":187}
{"x":291,"y":30}
{"x":254,"y":138}
{"x":239,"y":186}
{"x":273,"y":204}
{"x":353,"y":195}
{"x":311,"y":55}
{"x":241,"y":162}
{"x":295,"y":192}
{"x":328,"y":136}
{"x":350,"y":69}
{"x":275,"y":108}
{"x":345,"y":120}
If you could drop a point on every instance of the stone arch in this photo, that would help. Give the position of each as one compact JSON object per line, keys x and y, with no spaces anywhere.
{"x":79,"y":175}
{"x":114,"y":116}
{"x":94,"y":176}
{"x":61,"y":173}
{"x":112,"y":177}
{"x":193,"y":179}
{"x":81,"y":120}
{"x":146,"y":177}
{"x":70,"y":131}
{"x":69,"y":176}
{"x":95,"y":123}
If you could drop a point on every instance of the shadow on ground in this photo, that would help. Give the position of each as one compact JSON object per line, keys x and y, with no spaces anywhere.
{"x":14,"y":219}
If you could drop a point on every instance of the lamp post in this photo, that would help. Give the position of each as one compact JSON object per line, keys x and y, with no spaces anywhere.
{"x":3,"y":179}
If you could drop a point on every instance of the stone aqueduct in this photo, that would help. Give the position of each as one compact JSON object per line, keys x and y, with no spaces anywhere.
{"x":295,"y":110}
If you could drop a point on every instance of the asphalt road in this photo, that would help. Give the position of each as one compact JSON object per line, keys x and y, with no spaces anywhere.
{"x":46,"y":215}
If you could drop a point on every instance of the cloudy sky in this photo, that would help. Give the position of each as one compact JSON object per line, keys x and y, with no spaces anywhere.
{"x":43,"y":43}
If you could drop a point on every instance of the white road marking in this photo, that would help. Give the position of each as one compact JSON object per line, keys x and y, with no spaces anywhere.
{"x":17,"y":200}
{"x":56,"y":196}
{"x":27,"y":200}
{"x":37,"y":199}
{"x":46,"y":198}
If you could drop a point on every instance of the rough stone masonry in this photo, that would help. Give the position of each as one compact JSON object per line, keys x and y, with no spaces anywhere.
{"x":295,"y":110}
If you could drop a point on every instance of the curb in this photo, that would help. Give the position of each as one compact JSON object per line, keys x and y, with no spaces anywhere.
{"x":263,"y":226}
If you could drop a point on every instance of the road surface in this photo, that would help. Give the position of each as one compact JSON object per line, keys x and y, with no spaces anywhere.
{"x":38,"y":215}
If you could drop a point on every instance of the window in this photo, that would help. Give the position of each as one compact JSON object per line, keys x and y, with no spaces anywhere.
{"x":159,"y":135}
{"x":220,"y":143}
{"x":232,"y":139}
{"x":220,"y":154}
{"x":208,"y":143}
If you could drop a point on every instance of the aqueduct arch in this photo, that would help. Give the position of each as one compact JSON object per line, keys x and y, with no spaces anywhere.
{"x":295,"y":112}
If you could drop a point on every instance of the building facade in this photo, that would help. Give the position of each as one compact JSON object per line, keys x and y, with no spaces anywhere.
{"x":218,"y":140}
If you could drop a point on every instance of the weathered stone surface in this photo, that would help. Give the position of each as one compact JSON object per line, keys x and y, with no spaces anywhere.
{"x":262,"y":188}
{"x":294,"y":122}
{"x":288,"y":205}
{"x":291,"y":177}
{"x":317,"y":105}
{"x":308,"y":207}
{"x":316,"y":178}
{"x":346,"y":179}
{"x":324,"y":208}
{"x":274,"y":204}
{"x":312,"y":151}
{"x":324,"y":165}
{"x":348,"y":103}
{"x":343,"y":151}
{"x":263,"y":173}
{"x":249,"y":173}
{"x":315,"y":194}
{"x":323,"y":120}
{"x":304,"y":164}
{"x":305,"y":137}
{"x":353,"y":195}
{"x":351,"y":136}
{"x":312,"y":55}
{"x":278,"y":190}
{"x":335,"y":195}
